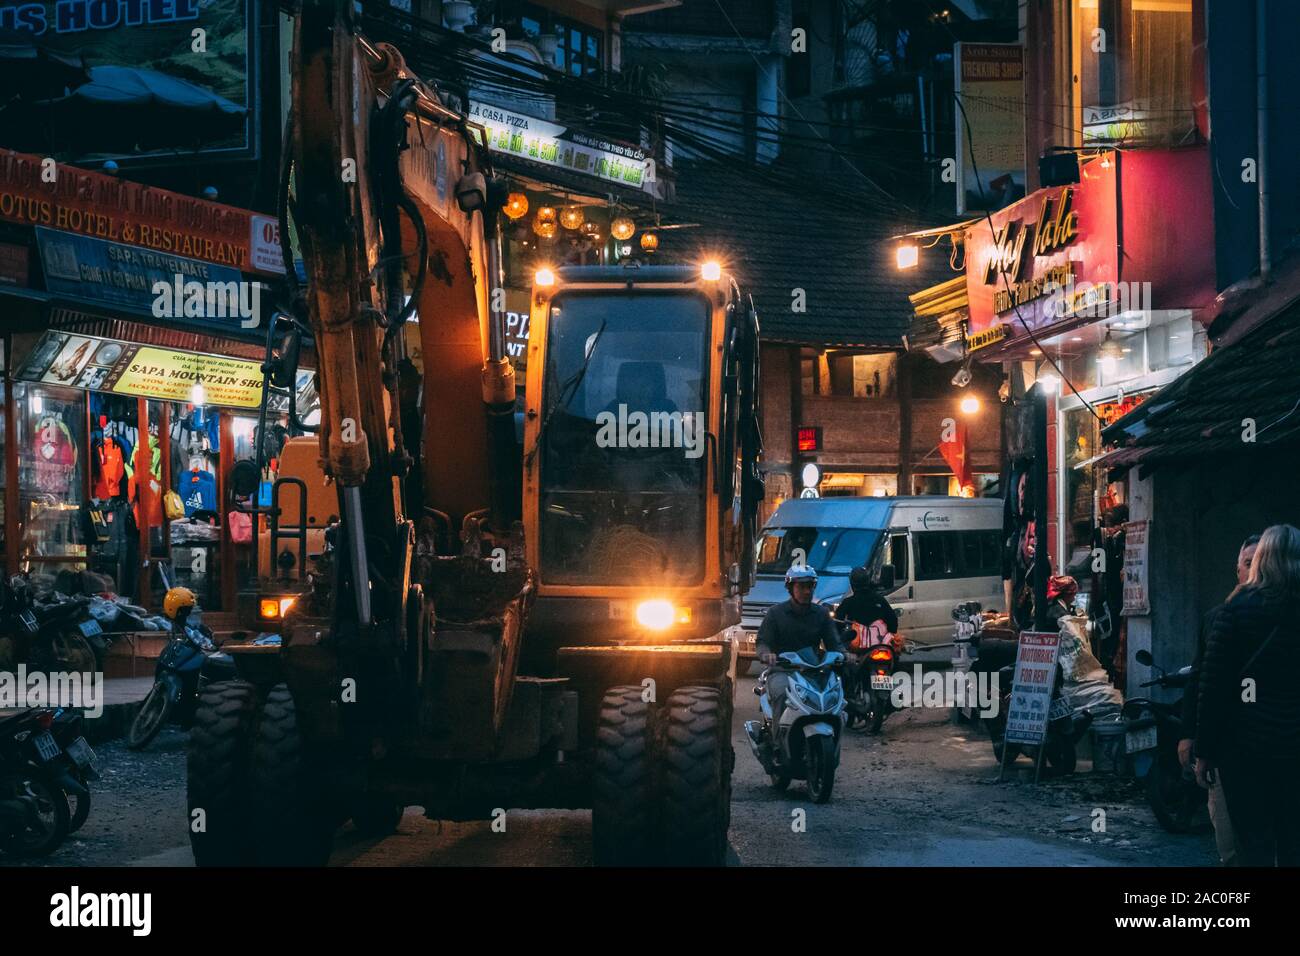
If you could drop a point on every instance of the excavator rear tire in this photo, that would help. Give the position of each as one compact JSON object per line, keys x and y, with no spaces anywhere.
{"x":622,"y":812}
{"x":697,"y":762}
{"x":291,"y":806}
{"x":220,"y":746}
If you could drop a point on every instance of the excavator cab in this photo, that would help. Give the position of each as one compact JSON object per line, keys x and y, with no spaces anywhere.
{"x":640,"y":441}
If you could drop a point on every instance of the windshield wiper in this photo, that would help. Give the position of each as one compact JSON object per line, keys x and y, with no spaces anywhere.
{"x":568,"y":389}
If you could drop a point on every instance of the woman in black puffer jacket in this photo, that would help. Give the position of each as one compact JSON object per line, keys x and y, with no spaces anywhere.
{"x":1248,"y":725}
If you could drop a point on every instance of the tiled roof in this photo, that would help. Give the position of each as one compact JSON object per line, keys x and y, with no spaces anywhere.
{"x":1202,"y":413}
{"x":777,"y":240}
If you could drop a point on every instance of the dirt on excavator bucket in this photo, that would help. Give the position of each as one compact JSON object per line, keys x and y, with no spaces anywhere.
{"x":477,"y":631}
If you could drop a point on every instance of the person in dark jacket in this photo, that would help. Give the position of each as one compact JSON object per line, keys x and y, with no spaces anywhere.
{"x":792,"y":626}
{"x":1248,"y":716}
{"x":866,"y":604}
{"x":1218,"y":804}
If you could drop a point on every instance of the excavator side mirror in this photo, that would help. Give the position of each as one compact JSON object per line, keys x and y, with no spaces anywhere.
{"x":284,"y":363}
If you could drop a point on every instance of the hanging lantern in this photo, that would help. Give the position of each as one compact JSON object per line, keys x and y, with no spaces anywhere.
{"x":622,"y":228}
{"x":590,"y":228}
{"x":649,"y":241}
{"x":571,"y":217}
{"x":516,"y":205}
{"x":546,"y":214}
{"x":546,"y":228}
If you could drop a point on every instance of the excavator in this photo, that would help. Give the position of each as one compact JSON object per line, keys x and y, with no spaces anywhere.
{"x":491,"y":624}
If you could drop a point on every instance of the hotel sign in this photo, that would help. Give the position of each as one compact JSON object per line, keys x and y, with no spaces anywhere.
{"x":1039,"y":250}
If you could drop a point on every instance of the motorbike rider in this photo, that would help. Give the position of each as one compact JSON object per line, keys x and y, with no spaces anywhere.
{"x":793,"y":626}
{"x":865,"y":606}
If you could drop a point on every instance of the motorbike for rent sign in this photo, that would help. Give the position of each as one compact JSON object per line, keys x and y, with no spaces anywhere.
{"x":1031,"y":690}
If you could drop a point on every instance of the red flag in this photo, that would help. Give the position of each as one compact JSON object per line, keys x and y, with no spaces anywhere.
{"x":954,"y":453}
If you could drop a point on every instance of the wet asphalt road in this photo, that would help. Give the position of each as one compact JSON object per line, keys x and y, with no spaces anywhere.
{"x":924,"y":793}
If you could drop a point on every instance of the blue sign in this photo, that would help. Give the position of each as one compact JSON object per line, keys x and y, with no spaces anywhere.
{"x":132,"y":278}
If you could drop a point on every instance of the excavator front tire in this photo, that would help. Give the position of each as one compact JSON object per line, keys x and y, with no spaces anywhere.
{"x":697,"y":763}
{"x":622,"y":813}
{"x":290,"y":803}
{"x":220,"y":748}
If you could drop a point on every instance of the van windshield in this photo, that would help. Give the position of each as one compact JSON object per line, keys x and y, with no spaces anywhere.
{"x":828,"y":550}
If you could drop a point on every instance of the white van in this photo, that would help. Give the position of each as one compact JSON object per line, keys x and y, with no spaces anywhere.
{"x":942,"y":551}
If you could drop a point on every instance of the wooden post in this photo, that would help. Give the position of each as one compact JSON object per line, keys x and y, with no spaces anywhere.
{"x":225,"y":460}
{"x":143,"y":474}
{"x":13,"y":537}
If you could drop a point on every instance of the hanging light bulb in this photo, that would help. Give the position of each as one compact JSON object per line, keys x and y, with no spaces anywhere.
{"x":546,"y":228}
{"x":546,"y":213}
{"x":1109,"y":352}
{"x":649,"y":241}
{"x":516,"y":206}
{"x":590,"y":228}
{"x":571,"y":217}
{"x":198,"y":394}
{"x":622,"y":228}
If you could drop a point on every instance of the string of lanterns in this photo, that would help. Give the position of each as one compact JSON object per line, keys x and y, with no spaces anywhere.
{"x":547,"y":222}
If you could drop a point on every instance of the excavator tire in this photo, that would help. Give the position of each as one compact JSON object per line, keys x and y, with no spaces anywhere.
{"x":221,"y":741}
{"x":291,"y":808}
{"x":622,"y":817}
{"x":697,"y":764}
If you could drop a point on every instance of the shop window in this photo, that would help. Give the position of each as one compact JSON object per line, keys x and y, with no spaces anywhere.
{"x":1081,"y":433}
{"x":1134,"y":70}
{"x":863,"y":376}
{"x":51,"y":471}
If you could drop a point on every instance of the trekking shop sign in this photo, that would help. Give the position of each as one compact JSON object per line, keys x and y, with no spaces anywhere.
{"x":118,"y":210}
{"x":144,"y":371}
{"x":1031,"y":688}
{"x":551,"y":144}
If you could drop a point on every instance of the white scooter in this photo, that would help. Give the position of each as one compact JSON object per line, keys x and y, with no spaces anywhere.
{"x":803,"y":741}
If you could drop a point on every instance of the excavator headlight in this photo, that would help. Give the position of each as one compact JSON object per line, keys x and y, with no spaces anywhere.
{"x":656,"y":614}
{"x":274,"y":609}
{"x":711,"y":271}
{"x":544,"y":278}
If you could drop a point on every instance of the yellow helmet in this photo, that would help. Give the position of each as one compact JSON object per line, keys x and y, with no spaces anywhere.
{"x":176,"y":599}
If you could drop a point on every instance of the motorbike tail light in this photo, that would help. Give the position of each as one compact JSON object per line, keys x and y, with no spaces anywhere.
{"x":45,"y":720}
{"x":882,"y":654}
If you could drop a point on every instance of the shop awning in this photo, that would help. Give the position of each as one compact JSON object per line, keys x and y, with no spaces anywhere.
{"x":1243,"y":399}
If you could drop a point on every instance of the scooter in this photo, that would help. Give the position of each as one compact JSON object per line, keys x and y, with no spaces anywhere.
{"x":1152,"y":730}
{"x":55,"y":637}
{"x":803,"y":741}
{"x":188,"y":663}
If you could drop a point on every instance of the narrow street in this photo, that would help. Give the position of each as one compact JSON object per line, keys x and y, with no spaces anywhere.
{"x":924,"y":793}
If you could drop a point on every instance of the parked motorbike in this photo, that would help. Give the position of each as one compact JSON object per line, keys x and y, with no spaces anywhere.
{"x":34,"y":809}
{"x":803,"y":741}
{"x":75,"y":764}
{"x":188,"y":663}
{"x":869,"y":674}
{"x":1065,"y":728}
{"x":1151,"y":733}
{"x":55,"y":636}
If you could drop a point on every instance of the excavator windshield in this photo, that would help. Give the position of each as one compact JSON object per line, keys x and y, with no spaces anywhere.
{"x":623,"y":439}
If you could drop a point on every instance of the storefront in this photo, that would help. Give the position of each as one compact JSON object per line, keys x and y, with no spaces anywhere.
{"x":1087,"y":288}
{"x":133,"y":343}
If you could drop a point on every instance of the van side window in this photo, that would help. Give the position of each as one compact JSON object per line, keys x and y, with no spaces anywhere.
{"x":981,"y":553}
{"x":937,"y":555}
{"x":898,"y":556}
